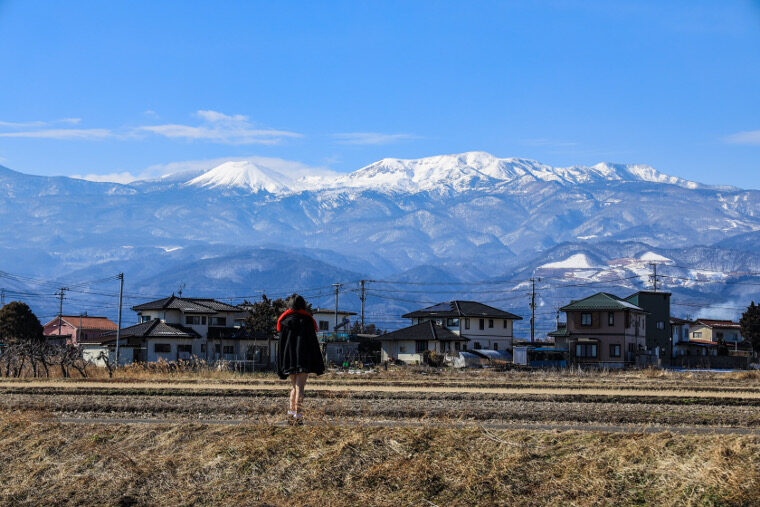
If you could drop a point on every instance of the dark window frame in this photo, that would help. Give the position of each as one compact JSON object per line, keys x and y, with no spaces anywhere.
{"x":590,"y":319}
{"x":615,"y":347}
{"x":162,"y":348}
{"x":420,"y":346}
{"x":610,"y":319}
{"x":482,"y":324}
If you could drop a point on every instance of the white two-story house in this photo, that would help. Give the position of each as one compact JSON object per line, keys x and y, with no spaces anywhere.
{"x":177,"y":328}
{"x":484,"y":326}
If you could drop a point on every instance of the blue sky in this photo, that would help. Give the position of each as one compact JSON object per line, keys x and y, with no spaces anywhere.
{"x":138,"y":88}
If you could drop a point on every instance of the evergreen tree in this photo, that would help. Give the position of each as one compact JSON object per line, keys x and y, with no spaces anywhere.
{"x":18,"y":324}
{"x":750,"y":323}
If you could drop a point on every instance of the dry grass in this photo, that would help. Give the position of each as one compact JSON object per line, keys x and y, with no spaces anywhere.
{"x":45,"y":462}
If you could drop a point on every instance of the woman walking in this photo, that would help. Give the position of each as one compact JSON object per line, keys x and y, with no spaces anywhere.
{"x":299,"y":353}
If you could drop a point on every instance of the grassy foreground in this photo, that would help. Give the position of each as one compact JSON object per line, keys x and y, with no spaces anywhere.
{"x":176,"y":464}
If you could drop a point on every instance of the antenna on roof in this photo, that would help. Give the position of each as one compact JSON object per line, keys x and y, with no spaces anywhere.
{"x":181,"y":288}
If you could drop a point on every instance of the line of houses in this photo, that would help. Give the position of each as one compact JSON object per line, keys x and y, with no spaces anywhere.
{"x":602,"y":330}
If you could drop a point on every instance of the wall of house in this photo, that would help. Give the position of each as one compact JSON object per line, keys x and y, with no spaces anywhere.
{"x":615,"y":334}
{"x":329,"y":318}
{"x":51,"y":329}
{"x":172,"y":355}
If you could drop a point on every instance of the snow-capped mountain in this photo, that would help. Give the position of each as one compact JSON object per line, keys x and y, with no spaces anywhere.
{"x":469,"y":216}
{"x":460,"y":172}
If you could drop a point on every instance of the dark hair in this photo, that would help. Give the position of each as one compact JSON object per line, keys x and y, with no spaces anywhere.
{"x":296,"y":302}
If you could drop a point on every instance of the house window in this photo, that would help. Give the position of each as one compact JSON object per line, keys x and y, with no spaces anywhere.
{"x":614,"y":350}
{"x":218,"y":321}
{"x":585,"y":350}
{"x":610,"y":318}
{"x":324,"y":325}
{"x":184,"y":349}
{"x":145,"y":318}
{"x":505,"y":324}
{"x":660,"y":325}
{"x":467,"y":323}
{"x":402,"y":349}
{"x":192,"y":320}
{"x":585,"y":319}
{"x":420,"y":346}
{"x":203,"y":348}
{"x":203,"y":320}
{"x":457,"y":346}
{"x":162,"y":348}
{"x":229,"y":349}
{"x":482,"y":323}
{"x":452,"y":322}
{"x":631,"y":348}
{"x":490,"y":323}
{"x":697,"y":334}
{"x":719,"y":335}
{"x":476,"y":346}
{"x":495,"y":346}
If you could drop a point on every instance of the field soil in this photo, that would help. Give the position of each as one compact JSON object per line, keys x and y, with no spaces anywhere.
{"x":426,"y":437}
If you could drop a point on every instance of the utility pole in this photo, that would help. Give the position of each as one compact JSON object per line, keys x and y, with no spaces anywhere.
{"x":337,"y":290}
{"x":653,"y":277}
{"x":533,"y":309}
{"x":79,"y":334}
{"x":118,"y":325}
{"x":363,"y":298}
{"x":2,"y":298}
{"x":60,"y":308}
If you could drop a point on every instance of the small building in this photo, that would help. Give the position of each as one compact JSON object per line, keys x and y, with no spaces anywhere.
{"x":602,"y":330}
{"x":485,"y":327}
{"x":75,"y":329}
{"x":716,"y":330}
{"x":155,"y":340}
{"x":339,"y":352}
{"x":412,"y":343}
{"x":325,"y":319}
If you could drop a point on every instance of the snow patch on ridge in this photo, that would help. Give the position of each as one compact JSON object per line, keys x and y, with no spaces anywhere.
{"x":576,"y":261}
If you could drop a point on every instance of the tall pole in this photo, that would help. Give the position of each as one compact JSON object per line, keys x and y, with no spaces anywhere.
{"x":654,"y":276}
{"x":2,"y":298}
{"x":60,"y":308}
{"x":363,"y":298}
{"x":118,"y":325}
{"x":533,"y":309}
{"x":337,"y":289}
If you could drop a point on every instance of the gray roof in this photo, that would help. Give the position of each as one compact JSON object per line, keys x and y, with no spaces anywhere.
{"x":601,"y":301}
{"x":461,"y":309}
{"x":153,"y":329}
{"x":423,"y":331}
{"x":188,"y":305}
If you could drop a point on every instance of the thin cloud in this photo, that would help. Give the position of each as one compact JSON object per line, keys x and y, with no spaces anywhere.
{"x":123,"y":177}
{"x":747,"y":137}
{"x":80,"y":134}
{"x":221,"y":128}
{"x":32,"y":124}
{"x":372,"y":138}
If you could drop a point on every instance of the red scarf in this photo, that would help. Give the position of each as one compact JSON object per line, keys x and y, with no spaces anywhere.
{"x":293,"y":312}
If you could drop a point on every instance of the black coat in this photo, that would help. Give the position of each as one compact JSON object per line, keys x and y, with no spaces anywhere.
{"x":299,"y":350}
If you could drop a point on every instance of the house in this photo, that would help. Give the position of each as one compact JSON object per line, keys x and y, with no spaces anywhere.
{"x":325,"y":319}
{"x":154,"y":340}
{"x":658,"y":333}
{"x":75,"y":329}
{"x":412,"y":343}
{"x":709,"y":343}
{"x":485,"y":327}
{"x":602,"y":330}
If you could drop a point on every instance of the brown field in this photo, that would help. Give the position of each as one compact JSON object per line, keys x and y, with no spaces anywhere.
{"x":408,"y":436}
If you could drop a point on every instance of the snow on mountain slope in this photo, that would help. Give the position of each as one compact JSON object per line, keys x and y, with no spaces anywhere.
{"x":245,"y":175}
{"x":576,"y":261}
{"x":475,"y":170}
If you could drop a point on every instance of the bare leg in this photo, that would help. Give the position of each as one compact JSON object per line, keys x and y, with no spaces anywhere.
{"x":300,"y":385}
{"x":293,"y":393}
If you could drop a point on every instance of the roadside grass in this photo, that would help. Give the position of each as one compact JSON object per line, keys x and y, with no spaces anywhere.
{"x":182,"y":464}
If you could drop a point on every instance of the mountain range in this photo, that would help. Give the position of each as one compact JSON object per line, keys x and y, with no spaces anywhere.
{"x":467,"y":226}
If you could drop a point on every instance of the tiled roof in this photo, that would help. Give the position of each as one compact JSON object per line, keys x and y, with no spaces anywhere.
{"x":560,"y":331}
{"x":187,"y":305}
{"x":424,"y":331}
{"x":726,"y":324}
{"x":600,"y":301}
{"x":678,"y":321}
{"x":461,"y":309}
{"x":103,"y":323}
{"x":153,"y":329}
{"x":331,"y":310}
